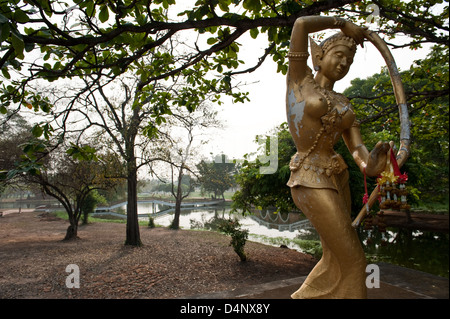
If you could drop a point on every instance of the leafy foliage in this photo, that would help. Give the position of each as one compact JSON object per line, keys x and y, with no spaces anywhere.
{"x":216,"y":177}
{"x":267,"y":190}
{"x":92,"y":199}
{"x":107,"y":38}
{"x":239,"y":236}
{"x":426,"y":85}
{"x":229,"y":226}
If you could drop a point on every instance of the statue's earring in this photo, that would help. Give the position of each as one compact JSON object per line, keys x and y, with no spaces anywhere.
{"x":316,"y":54}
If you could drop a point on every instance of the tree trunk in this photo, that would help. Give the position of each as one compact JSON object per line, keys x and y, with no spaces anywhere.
{"x":72,"y":232}
{"x":85,"y":217}
{"x":176,"y":219}
{"x":55,"y":192}
{"x":178,"y":199}
{"x":133,"y":237}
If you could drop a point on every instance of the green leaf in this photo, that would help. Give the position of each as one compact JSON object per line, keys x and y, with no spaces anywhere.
{"x":104,"y":14}
{"x":224,"y":6}
{"x":17,"y":43}
{"x":3,"y":19}
{"x":150,"y":131}
{"x":90,"y":8}
{"x":252,"y":5}
{"x":28,"y":149}
{"x":4,"y":31}
{"x":211,"y":41}
{"x":85,"y":153}
{"x":21,"y":16}
{"x":254,"y":33}
{"x":6,"y":73}
{"x":29,"y":47}
{"x":37,"y":130}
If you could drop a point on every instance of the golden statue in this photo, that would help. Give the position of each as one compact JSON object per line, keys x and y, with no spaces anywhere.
{"x":318,"y":117}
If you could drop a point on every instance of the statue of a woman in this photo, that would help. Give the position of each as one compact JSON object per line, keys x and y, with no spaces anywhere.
{"x":317,"y":118}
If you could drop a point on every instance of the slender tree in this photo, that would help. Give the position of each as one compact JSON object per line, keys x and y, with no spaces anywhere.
{"x":68,"y":176}
{"x":134,"y":119}
{"x":181,"y":151}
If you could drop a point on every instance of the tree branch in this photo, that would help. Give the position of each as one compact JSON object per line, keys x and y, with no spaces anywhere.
{"x":260,"y":61}
{"x":424,"y":96}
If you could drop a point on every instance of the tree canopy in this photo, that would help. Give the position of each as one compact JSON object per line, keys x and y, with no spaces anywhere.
{"x":267,"y":190}
{"x":52,"y":39}
{"x":216,"y":177}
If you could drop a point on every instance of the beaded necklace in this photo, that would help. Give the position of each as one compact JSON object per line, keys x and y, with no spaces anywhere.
{"x":328,"y":120}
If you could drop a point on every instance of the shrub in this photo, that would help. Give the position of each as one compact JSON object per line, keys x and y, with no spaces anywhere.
{"x":239,"y":236}
{"x":151,"y":222}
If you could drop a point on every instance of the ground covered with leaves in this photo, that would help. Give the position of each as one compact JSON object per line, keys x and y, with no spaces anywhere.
{"x":170,"y":264}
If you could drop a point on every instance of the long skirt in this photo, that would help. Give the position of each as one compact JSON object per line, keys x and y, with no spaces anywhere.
{"x":341,"y":272}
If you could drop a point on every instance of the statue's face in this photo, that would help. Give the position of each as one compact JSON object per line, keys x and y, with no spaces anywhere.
{"x":336,"y":62}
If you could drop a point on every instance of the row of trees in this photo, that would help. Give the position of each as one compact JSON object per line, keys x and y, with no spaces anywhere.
{"x":76,"y":63}
{"x":79,"y":178}
{"x":211,"y":180}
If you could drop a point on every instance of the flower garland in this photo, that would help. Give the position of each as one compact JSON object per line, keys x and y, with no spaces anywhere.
{"x":391,"y":186}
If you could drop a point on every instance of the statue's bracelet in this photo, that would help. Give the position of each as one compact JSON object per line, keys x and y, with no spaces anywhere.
{"x":298,"y":55}
{"x":339,"y":22}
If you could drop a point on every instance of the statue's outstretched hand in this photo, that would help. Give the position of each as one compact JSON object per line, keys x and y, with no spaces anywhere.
{"x":355,"y":32}
{"x":378,"y":159}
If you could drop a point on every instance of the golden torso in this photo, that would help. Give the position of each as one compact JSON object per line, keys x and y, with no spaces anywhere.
{"x":316,"y":119}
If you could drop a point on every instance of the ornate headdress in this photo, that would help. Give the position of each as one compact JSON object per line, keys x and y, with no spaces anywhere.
{"x":318,"y":51}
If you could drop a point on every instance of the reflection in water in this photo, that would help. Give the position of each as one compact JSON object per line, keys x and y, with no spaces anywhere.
{"x":281,"y":221}
{"x":422,"y":250}
{"x":144,"y":208}
{"x":254,"y":223}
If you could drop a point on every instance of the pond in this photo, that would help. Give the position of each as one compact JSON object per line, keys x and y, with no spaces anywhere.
{"x":421,"y":250}
{"x":425,"y":251}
